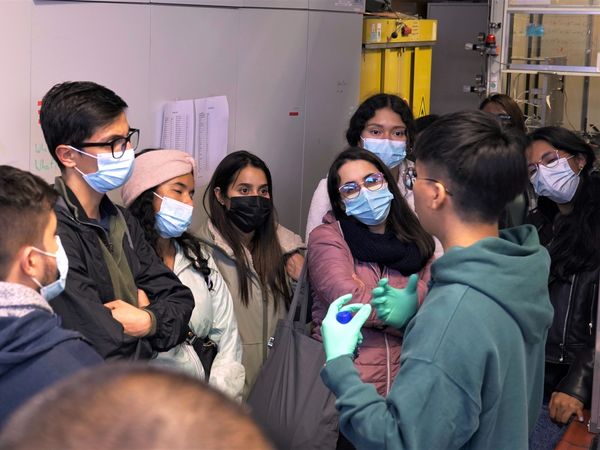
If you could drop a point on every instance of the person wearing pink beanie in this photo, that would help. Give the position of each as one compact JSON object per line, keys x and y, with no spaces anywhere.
{"x":159,"y":193}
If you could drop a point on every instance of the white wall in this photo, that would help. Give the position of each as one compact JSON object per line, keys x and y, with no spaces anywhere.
{"x":268,"y":57}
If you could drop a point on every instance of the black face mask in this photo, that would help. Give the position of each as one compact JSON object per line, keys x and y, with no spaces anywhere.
{"x":249,"y":212}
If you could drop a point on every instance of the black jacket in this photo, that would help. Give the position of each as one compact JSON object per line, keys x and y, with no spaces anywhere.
{"x":572,"y":336}
{"x":81,"y":305}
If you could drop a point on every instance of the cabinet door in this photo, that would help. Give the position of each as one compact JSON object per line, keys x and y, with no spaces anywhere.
{"x":270,"y":112}
{"x":193,"y":55}
{"x":452,"y":66}
{"x":334,"y":54}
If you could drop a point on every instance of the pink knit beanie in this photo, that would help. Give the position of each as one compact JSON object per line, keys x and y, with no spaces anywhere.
{"x":153,"y":168}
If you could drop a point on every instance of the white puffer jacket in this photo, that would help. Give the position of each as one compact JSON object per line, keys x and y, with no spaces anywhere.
{"x":212,"y":316}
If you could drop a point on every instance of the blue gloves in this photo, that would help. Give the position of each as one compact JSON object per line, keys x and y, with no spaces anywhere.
{"x":395,"y":307}
{"x":341,"y":339}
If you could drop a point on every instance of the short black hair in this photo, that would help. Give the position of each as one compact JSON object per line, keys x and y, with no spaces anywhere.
{"x":367,"y":110}
{"x":25,"y":203}
{"x":424,"y":121}
{"x":72,"y":111}
{"x":484,"y":164}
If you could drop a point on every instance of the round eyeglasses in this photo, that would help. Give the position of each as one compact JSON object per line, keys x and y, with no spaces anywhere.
{"x":117,"y":145}
{"x":373,"y":182}
{"x":550,"y":160}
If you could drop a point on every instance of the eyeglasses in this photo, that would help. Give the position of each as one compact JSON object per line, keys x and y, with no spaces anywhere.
{"x":373,"y":182}
{"x":117,"y":145}
{"x":549,"y":160}
{"x":506,"y":119}
{"x":410,"y":177}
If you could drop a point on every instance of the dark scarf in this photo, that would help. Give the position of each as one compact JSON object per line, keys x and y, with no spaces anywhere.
{"x":384,"y":249}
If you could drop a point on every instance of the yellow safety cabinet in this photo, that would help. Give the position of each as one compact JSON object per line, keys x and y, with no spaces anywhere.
{"x":396,"y":59}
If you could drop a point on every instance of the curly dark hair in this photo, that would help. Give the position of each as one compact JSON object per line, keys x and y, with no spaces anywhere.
{"x":367,"y":110}
{"x":142,"y":209}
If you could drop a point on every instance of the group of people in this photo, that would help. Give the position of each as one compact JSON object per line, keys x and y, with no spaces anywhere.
{"x":473,"y":291}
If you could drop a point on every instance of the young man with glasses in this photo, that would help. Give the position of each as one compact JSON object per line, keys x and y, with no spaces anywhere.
{"x":472,"y":364}
{"x":118,"y":293}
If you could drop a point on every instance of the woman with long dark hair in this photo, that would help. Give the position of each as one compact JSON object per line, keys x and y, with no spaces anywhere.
{"x":561,"y":170}
{"x":371,"y":239}
{"x":159,"y":194}
{"x":257,"y":256}
{"x":383,"y":124}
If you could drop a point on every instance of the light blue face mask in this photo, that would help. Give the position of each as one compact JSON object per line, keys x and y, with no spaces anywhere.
{"x":390,"y":152}
{"x":370,"y":207}
{"x":558,"y":183}
{"x":111,"y":174}
{"x":173,"y":218}
{"x":62,"y":264}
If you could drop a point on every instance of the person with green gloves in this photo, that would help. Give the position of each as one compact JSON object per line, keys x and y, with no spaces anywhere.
{"x":472,"y":363}
{"x":343,"y":338}
{"x":395,"y":307}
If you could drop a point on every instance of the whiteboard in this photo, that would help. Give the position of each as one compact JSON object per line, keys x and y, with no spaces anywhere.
{"x":15,"y":43}
{"x":107,"y":43}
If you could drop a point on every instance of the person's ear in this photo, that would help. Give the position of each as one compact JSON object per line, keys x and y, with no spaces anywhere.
{"x":28,"y":261}
{"x":580,"y":160}
{"x":65,"y":155}
{"x":439,"y":196}
{"x":219,"y":195}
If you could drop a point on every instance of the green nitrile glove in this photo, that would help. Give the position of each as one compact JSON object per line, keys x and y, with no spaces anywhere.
{"x":341,"y":339}
{"x":395,"y":307}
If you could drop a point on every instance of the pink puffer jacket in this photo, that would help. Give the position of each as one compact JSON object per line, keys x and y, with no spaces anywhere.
{"x":334,"y":272}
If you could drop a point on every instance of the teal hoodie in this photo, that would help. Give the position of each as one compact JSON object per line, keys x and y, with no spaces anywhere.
{"x":472,"y":365}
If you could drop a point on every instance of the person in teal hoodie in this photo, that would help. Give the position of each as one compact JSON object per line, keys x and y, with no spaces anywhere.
{"x":472,"y":364}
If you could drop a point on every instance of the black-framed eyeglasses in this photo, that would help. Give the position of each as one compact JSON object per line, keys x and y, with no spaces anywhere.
{"x":410,"y":178}
{"x":373,"y":182}
{"x":550,"y":160}
{"x":117,"y":145}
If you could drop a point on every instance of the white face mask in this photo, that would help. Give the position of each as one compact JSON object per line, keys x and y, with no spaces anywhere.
{"x":173,"y":218}
{"x":112,"y":173}
{"x":558,"y":183}
{"x":62,"y":263}
{"x":390,"y":152}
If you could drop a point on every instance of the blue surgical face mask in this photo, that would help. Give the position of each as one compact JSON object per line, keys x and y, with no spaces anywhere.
{"x":112,"y":173}
{"x":173,"y":218}
{"x":558,"y":183}
{"x":62,"y":264}
{"x":370,"y":207}
{"x":390,"y":152}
